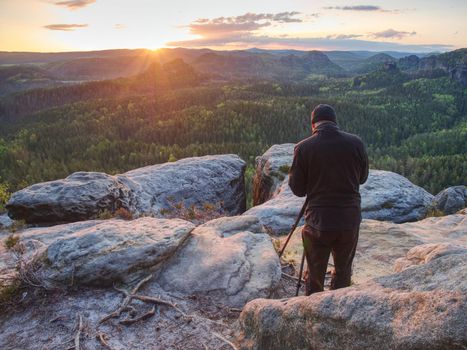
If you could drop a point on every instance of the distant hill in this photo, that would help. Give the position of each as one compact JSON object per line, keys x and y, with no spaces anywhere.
{"x":453,"y":63}
{"x":23,"y":77}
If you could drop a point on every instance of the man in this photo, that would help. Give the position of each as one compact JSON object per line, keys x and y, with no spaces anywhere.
{"x":328,"y":167}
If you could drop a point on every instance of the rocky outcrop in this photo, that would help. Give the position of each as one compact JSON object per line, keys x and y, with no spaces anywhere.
{"x":424,"y":253}
{"x":423,"y":307}
{"x":153,"y":190}
{"x":80,"y":196}
{"x":229,"y":259}
{"x":5,"y":221}
{"x":385,"y":196}
{"x":391,"y":197}
{"x":279,"y":213}
{"x":451,"y":200}
{"x":271,"y":169}
{"x":102,"y":252}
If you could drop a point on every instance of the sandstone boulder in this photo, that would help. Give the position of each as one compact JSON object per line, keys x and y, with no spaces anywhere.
{"x":426,"y":252}
{"x":230,"y":260}
{"x":278,"y":214}
{"x":424,"y":307}
{"x":451,"y":199}
{"x":271,"y":169}
{"x":216,"y":181}
{"x":80,"y":196}
{"x":5,"y":221}
{"x":102,"y":252}
{"x":391,"y":197}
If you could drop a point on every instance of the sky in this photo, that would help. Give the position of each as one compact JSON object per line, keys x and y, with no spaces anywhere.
{"x":80,"y":25}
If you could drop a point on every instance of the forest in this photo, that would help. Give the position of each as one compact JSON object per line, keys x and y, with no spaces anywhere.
{"x":413,"y":124}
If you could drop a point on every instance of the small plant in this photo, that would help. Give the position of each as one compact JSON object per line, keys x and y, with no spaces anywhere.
{"x":123,"y":213}
{"x":4,"y":196}
{"x":105,"y":215}
{"x":284,"y":168}
{"x":194,"y":213}
{"x":17,"y":225}
{"x":11,"y":241}
{"x":434,"y":212}
{"x":9,"y":292}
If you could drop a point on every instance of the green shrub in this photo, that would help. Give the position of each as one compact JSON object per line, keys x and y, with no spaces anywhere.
{"x":11,"y":241}
{"x":4,"y":196}
{"x":284,"y":168}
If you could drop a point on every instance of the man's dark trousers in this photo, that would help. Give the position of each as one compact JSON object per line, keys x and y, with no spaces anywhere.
{"x":318,"y":246}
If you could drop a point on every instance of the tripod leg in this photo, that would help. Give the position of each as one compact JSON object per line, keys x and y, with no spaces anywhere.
{"x":299,"y":283}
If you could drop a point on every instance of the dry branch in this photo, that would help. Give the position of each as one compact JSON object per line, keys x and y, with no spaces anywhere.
{"x":78,"y":333}
{"x":128,"y":321}
{"x":101,"y":337}
{"x":128,"y":297}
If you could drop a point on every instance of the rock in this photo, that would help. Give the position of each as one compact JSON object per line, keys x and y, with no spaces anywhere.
{"x":102,"y":252}
{"x":424,"y":307}
{"x":451,"y":199}
{"x":78,"y":197}
{"x":426,"y":252}
{"x":385,"y":196}
{"x":215,"y":180}
{"x":153,"y":190}
{"x":382,"y":243}
{"x":271,"y":169}
{"x":391,"y":197}
{"x":5,"y":221}
{"x":278,"y":214}
{"x":229,"y":260}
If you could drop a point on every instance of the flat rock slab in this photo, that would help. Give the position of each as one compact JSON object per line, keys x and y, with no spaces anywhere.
{"x":424,"y":307}
{"x":271,"y":169}
{"x":101,"y":252}
{"x":228,"y":259}
{"x":214,"y":181}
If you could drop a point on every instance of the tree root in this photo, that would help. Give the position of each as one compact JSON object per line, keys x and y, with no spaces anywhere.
{"x":129,"y":296}
{"x":128,"y":321}
{"x":101,"y":337}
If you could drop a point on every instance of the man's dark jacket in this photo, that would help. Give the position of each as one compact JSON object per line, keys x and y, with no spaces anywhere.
{"x":328,"y":167}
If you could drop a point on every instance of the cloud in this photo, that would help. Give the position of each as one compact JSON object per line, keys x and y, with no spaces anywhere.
{"x":244,"y":31}
{"x":74,"y":4}
{"x":344,"y":36}
{"x":392,"y":34}
{"x":363,"y":8}
{"x":65,"y":27}
{"x":221,"y":27}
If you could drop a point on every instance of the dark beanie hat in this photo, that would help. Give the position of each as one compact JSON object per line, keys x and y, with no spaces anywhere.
{"x":323,"y":112}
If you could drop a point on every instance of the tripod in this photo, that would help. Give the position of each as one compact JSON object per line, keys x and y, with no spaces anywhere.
{"x":294,"y":226}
